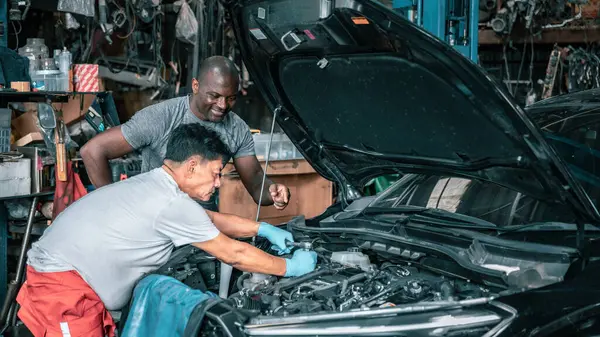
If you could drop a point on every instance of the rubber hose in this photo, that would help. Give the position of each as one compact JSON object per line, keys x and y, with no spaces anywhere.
{"x":302,"y":279}
{"x":241,"y":279}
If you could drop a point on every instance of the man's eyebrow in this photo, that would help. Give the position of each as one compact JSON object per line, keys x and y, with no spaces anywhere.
{"x":216,"y":93}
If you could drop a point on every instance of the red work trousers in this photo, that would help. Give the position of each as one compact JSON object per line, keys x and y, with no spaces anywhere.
{"x":62,"y":304}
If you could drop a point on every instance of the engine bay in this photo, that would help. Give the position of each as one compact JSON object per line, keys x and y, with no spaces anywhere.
{"x":347,"y":280}
{"x":354,"y":272}
{"x":373,"y":278}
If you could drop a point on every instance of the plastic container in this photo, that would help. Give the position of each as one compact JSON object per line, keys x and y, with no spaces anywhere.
{"x":50,"y":80}
{"x":34,"y":50}
{"x":4,"y":139}
{"x":48,"y":64}
{"x":352,"y":258}
{"x":282,"y":147}
{"x":39,"y":43}
{"x":64,"y":61}
{"x":15,"y":177}
{"x":5,"y":116}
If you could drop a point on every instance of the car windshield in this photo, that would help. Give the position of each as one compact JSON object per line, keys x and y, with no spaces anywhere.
{"x":575,"y":139}
{"x":487,"y":201}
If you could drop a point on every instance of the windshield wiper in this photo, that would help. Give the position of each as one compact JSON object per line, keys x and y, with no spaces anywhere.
{"x":433,"y":215}
{"x":545,"y":226}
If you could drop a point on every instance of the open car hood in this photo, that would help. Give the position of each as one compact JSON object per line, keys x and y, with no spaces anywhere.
{"x":363,"y":92}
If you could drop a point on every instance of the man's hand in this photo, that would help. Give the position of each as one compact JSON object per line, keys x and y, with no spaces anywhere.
{"x":276,"y":236}
{"x":303,"y":262}
{"x":243,"y":256}
{"x":280,"y":195}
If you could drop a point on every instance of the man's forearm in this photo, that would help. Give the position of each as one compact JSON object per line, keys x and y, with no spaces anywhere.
{"x":98,"y":168}
{"x":266,"y":196}
{"x":243,"y":256}
{"x":254,"y":260}
{"x":234,"y":226}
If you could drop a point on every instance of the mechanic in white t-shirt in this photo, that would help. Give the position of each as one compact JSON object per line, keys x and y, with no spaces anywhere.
{"x":91,"y":257}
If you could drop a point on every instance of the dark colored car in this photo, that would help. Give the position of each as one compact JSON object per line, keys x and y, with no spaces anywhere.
{"x":492,"y":229}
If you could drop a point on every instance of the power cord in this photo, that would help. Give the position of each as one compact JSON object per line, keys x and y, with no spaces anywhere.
{"x":17,"y":32}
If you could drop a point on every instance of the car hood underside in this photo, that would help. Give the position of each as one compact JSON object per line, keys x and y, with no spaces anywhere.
{"x":363,"y":92}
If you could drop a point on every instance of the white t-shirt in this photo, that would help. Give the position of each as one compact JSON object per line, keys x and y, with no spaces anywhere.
{"x":121,"y":231}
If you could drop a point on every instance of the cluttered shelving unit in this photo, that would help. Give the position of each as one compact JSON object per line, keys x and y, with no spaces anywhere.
{"x":587,"y":34}
{"x":29,"y":180}
{"x":540,"y":49}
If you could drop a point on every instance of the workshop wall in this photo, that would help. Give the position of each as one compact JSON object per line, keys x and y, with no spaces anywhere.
{"x":518,"y":48}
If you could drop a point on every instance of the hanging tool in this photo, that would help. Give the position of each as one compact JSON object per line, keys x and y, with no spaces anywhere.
{"x":14,"y":13}
{"x":107,"y":28}
{"x":551,"y":70}
{"x":61,"y":151}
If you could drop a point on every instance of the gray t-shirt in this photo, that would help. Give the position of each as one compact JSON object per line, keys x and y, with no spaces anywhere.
{"x":150,"y":128}
{"x":116,"y":234}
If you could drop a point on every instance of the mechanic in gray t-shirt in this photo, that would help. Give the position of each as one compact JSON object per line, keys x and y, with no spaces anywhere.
{"x":115,"y":235}
{"x":214,"y":94}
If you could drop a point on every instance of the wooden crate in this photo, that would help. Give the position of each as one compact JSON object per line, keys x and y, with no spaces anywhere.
{"x":311,"y":193}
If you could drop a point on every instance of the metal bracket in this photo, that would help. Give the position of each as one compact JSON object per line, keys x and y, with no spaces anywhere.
{"x":294,"y":36}
{"x":119,"y":17}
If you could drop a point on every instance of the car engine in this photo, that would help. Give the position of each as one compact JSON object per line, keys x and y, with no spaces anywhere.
{"x":423,"y":282}
{"x":346,"y":280}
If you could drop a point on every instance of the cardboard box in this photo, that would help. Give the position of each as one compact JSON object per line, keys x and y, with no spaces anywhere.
{"x":26,"y":123}
{"x":15,"y":177}
{"x":76,"y":108}
{"x":86,"y":78}
{"x":34,"y":155}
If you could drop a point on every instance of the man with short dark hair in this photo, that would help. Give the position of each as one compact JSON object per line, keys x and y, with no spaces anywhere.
{"x":214,"y":94}
{"x":90,"y":258}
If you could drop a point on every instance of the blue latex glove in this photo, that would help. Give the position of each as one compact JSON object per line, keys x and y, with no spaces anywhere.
{"x":301,"y":263}
{"x":276,"y":236}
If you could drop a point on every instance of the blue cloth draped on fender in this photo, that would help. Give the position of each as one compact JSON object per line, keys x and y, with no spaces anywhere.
{"x":161,"y":307}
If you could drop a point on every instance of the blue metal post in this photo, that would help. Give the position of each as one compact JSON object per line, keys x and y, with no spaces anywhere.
{"x":4,"y":23}
{"x":474,"y":30}
{"x":435,"y":16}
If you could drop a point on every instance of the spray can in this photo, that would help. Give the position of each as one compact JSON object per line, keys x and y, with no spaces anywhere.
{"x":56,"y":57}
{"x":64,"y":63}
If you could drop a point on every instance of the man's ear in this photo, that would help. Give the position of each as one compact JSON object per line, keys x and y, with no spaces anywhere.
{"x":190,"y":167}
{"x":195,"y":86}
